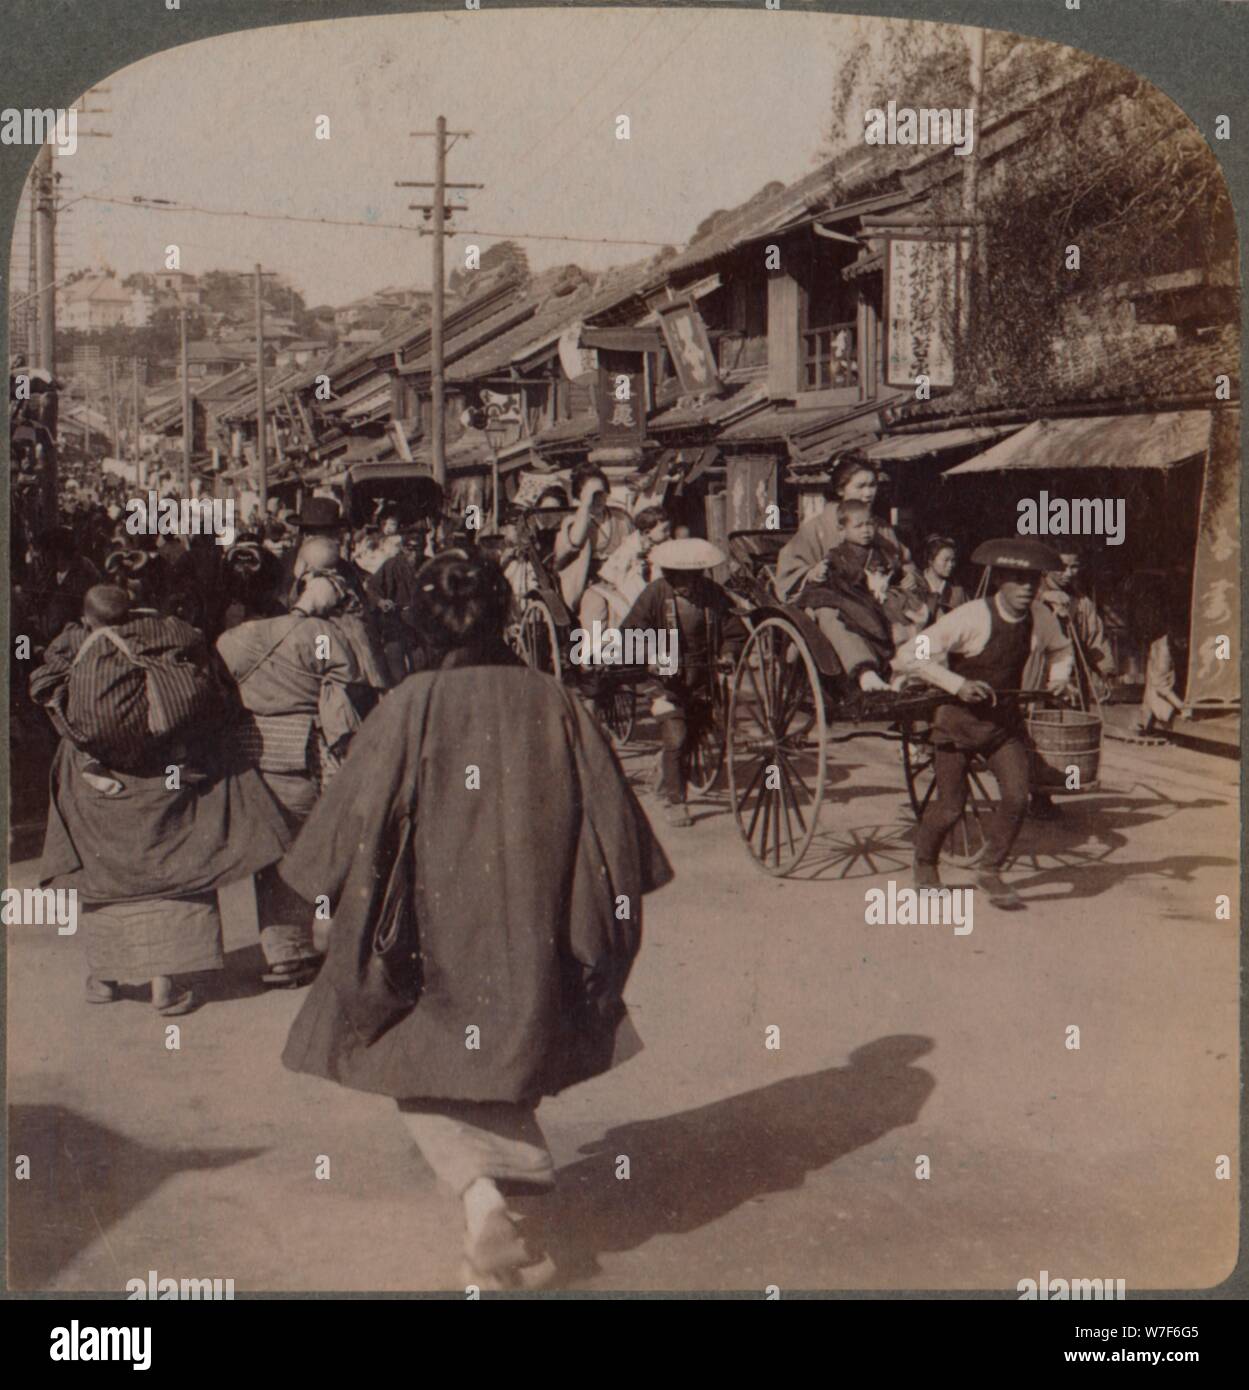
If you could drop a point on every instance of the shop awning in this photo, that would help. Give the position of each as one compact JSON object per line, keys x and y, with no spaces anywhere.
{"x":903,"y":447}
{"x":1159,"y":440}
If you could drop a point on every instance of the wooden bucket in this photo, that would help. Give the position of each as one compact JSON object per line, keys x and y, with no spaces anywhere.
{"x":1064,"y":738}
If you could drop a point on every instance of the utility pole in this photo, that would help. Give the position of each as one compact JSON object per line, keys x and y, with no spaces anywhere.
{"x":262,"y":470}
{"x":112,"y":407}
{"x":138,"y":433}
{"x":45,"y":254}
{"x":972,"y":245}
{"x":188,"y":420}
{"x":439,"y":208}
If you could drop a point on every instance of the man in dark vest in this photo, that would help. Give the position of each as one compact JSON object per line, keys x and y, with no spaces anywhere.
{"x":977,"y":652}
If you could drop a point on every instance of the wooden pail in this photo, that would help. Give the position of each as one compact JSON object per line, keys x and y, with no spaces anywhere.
{"x":1061,"y":739}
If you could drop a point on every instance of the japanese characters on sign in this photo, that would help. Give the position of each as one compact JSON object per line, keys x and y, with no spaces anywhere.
{"x":621,"y":397}
{"x":921,"y":297}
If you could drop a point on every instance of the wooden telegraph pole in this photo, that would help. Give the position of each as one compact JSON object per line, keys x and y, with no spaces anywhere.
{"x":972,"y":243}
{"x":262,"y":469}
{"x":112,"y":408}
{"x":138,"y":429}
{"x":44,"y":199}
{"x":439,"y":209}
{"x":45,"y":252}
{"x":188,"y":420}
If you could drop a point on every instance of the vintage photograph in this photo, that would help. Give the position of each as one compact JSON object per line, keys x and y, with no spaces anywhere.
{"x":624,"y":665}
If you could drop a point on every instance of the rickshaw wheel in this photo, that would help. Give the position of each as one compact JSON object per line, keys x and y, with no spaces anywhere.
{"x":617,"y":711}
{"x":776,"y":691}
{"x":966,"y":838}
{"x":537,"y":639}
{"x":704,"y":759}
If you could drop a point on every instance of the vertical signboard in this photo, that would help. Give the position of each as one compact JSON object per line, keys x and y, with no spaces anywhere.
{"x":921,"y":309}
{"x":1214,"y":665}
{"x":685,"y":334}
{"x":621,"y":400}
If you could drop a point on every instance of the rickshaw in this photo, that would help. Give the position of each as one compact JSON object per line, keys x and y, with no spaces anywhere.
{"x":407,"y":487}
{"x":789,"y":704}
{"x":542,"y":634}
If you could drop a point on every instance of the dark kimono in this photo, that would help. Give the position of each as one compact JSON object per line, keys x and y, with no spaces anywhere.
{"x":127,"y":836}
{"x":528,"y":888}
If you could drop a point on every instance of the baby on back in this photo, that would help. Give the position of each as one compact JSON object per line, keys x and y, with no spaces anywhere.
{"x":105,"y":605}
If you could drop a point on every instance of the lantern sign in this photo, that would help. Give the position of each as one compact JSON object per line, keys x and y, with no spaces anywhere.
{"x":921,"y":301}
{"x":621,"y":398}
{"x":685,"y":334}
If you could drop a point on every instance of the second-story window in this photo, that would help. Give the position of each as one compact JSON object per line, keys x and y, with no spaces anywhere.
{"x":830,"y":351}
{"x":830,"y":356}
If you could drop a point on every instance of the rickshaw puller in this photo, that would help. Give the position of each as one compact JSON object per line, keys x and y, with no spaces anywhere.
{"x":976,"y":652}
{"x":685,"y":600}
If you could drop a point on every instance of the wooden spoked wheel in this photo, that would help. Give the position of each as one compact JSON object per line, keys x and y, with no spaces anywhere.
{"x":966,"y":838}
{"x":776,"y":745}
{"x":616,"y":708}
{"x":537,"y":638}
{"x":704,"y":756}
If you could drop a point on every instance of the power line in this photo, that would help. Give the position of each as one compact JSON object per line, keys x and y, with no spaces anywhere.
{"x":633,"y":91}
{"x":562,"y":123}
{"x":168,"y":205}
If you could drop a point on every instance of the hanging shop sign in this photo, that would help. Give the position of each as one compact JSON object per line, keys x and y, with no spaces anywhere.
{"x":620,"y":394}
{"x":685,"y":333}
{"x":922,"y":286}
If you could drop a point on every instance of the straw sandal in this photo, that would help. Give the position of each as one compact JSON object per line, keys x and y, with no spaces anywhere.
{"x":173,"y":1004}
{"x":293,"y":974}
{"x":498,"y":1258}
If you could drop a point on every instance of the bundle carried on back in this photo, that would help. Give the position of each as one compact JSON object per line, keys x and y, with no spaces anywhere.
{"x":125,"y":691}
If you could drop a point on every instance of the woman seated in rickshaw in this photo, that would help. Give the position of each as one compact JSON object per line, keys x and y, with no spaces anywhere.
{"x":585,"y":540}
{"x":803,"y":569}
{"x":627,"y":570}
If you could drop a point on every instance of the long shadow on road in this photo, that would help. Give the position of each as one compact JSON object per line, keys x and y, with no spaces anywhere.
{"x":689,"y":1169}
{"x":84,"y":1178}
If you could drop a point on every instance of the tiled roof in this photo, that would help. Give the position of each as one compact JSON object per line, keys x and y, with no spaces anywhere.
{"x":96,"y":287}
{"x":567,"y":432}
{"x":716,"y":410}
{"x":857,"y":172}
{"x":223,"y":387}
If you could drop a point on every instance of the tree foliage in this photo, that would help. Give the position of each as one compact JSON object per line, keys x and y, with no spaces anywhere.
{"x":1091,"y":156}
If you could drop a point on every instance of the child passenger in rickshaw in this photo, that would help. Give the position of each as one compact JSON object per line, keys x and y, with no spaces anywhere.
{"x":855,"y":601}
{"x":803,"y":565}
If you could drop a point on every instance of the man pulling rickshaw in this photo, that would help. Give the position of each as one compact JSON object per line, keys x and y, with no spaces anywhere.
{"x":978,"y":653}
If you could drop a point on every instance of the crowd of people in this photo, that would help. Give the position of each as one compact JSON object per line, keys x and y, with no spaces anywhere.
{"x":278,"y":713}
{"x":337,"y":718}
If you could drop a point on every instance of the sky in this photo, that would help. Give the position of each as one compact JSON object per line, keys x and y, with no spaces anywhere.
{"x":718,"y":104}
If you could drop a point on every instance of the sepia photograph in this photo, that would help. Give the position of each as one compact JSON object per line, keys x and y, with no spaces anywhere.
{"x":624,"y":648}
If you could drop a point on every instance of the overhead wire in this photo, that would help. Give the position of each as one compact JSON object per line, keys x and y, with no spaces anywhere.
{"x":172,"y":206}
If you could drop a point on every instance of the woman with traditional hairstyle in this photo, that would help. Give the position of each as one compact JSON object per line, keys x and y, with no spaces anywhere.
{"x":585,"y":539}
{"x":300,"y":678}
{"x":937,"y":589}
{"x":803,"y":562}
{"x":485,"y":861}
